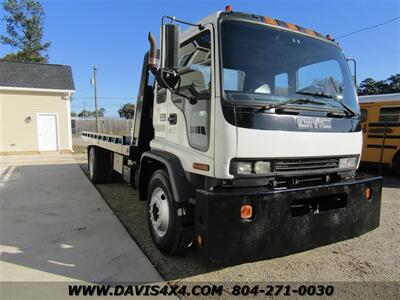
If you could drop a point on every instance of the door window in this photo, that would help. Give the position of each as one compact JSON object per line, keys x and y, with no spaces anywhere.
{"x":195,"y":70}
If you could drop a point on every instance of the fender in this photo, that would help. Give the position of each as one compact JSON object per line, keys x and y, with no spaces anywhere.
{"x":179,"y":183}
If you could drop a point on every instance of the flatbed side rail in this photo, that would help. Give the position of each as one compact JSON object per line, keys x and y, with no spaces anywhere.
{"x":115,"y":143}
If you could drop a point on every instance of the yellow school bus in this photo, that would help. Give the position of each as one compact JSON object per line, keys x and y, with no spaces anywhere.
{"x":381,"y":129}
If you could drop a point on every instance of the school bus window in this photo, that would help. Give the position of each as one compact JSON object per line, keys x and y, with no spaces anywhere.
{"x":364,"y":115}
{"x":389,"y":114}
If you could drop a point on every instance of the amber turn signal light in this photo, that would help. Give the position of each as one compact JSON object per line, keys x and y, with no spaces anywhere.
{"x":246,"y":212}
{"x":201,"y":167}
{"x":368,"y":193}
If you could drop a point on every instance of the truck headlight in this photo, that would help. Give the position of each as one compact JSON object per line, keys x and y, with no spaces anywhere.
{"x":244,"y":167}
{"x":348,"y":163}
{"x":251,"y":167}
{"x":262,"y":167}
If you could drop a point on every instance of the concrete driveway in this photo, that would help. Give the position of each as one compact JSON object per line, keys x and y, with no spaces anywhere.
{"x":55,"y":226}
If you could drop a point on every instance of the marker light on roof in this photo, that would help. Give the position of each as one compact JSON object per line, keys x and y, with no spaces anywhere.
{"x":292,"y":26}
{"x":228,"y":8}
{"x":270,"y":21}
{"x":310,"y":32}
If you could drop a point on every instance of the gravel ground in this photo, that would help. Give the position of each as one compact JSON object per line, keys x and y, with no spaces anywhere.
{"x":373,"y":257}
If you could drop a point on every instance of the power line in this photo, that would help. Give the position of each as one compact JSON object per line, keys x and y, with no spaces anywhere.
{"x":117,"y":84}
{"x":92,"y":106}
{"x":82,"y":90}
{"x":367,"y":28}
{"x":112,"y":98}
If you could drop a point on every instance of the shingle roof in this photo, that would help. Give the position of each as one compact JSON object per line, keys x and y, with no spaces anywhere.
{"x":35,"y":75}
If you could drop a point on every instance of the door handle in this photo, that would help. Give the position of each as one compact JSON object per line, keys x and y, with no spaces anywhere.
{"x":172,"y":119}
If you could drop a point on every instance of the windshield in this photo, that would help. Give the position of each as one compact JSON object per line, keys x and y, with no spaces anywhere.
{"x":271,"y":65}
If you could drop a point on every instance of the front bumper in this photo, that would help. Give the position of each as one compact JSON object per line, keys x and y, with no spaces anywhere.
{"x":278,"y":227}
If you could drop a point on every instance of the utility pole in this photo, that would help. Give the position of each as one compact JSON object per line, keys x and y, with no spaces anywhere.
{"x":84,"y":109}
{"x":94,"y":81}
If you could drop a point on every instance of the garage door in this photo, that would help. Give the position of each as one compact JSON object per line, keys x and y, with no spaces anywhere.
{"x":47,"y":132}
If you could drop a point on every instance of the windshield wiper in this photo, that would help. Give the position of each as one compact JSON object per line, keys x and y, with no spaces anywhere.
{"x":315,"y":94}
{"x":297,"y":100}
{"x":328,"y":96}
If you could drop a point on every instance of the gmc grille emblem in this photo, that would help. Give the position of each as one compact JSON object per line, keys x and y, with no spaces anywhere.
{"x":311,"y":122}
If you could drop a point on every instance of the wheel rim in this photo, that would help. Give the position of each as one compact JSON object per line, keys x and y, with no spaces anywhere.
{"x":91,"y":163}
{"x":159,"y":211}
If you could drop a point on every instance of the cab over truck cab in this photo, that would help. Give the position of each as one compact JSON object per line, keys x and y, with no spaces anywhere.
{"x":246,"y":142}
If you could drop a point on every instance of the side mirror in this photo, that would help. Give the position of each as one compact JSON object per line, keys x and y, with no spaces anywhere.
{"x":166,"y":76}
{"x":171,"y":46}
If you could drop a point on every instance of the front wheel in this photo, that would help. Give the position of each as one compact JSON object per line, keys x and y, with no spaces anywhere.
{"x":162,"y":216}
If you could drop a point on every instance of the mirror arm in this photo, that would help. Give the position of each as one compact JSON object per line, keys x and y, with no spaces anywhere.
{"x":173,"y":19}
{"x":355,"y":69}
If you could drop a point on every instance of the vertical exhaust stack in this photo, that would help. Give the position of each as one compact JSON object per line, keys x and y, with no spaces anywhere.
{"x":153,"y":59}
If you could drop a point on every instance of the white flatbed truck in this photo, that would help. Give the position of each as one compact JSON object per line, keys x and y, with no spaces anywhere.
{"x":246,"y":141}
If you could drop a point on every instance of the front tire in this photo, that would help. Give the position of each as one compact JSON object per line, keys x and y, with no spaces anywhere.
{"x":162,"y":216}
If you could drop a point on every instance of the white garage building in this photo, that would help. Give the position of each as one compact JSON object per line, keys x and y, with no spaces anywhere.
{"x":35,"y":108}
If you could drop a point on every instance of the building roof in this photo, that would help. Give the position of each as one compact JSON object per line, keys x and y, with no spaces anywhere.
{"x":36,"y":75}
{"x":379,"y":98}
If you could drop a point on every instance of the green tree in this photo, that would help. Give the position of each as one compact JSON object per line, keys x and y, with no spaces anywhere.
{"x":127,"y":111}
{"x":394,"y":83}
{"x":88,"y":113}
{"x":371,"y":87}
{"x":101,"y":112}
{"x":84,"y":113}
{"x":24,"y":24}
{"x":368,"y":87}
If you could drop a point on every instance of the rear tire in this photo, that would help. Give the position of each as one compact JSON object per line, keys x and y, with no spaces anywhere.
{"x":99,"y":165}
{"x":165,"y":225}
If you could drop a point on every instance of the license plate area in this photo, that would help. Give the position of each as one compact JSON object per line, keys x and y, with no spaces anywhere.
{"x":316,"y":205}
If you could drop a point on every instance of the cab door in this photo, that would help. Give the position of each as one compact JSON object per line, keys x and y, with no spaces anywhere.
{"x":160,"y":118}
{"x":190,"y":133}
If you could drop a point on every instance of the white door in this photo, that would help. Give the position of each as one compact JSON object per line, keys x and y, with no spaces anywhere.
{"x":47,"y":132}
